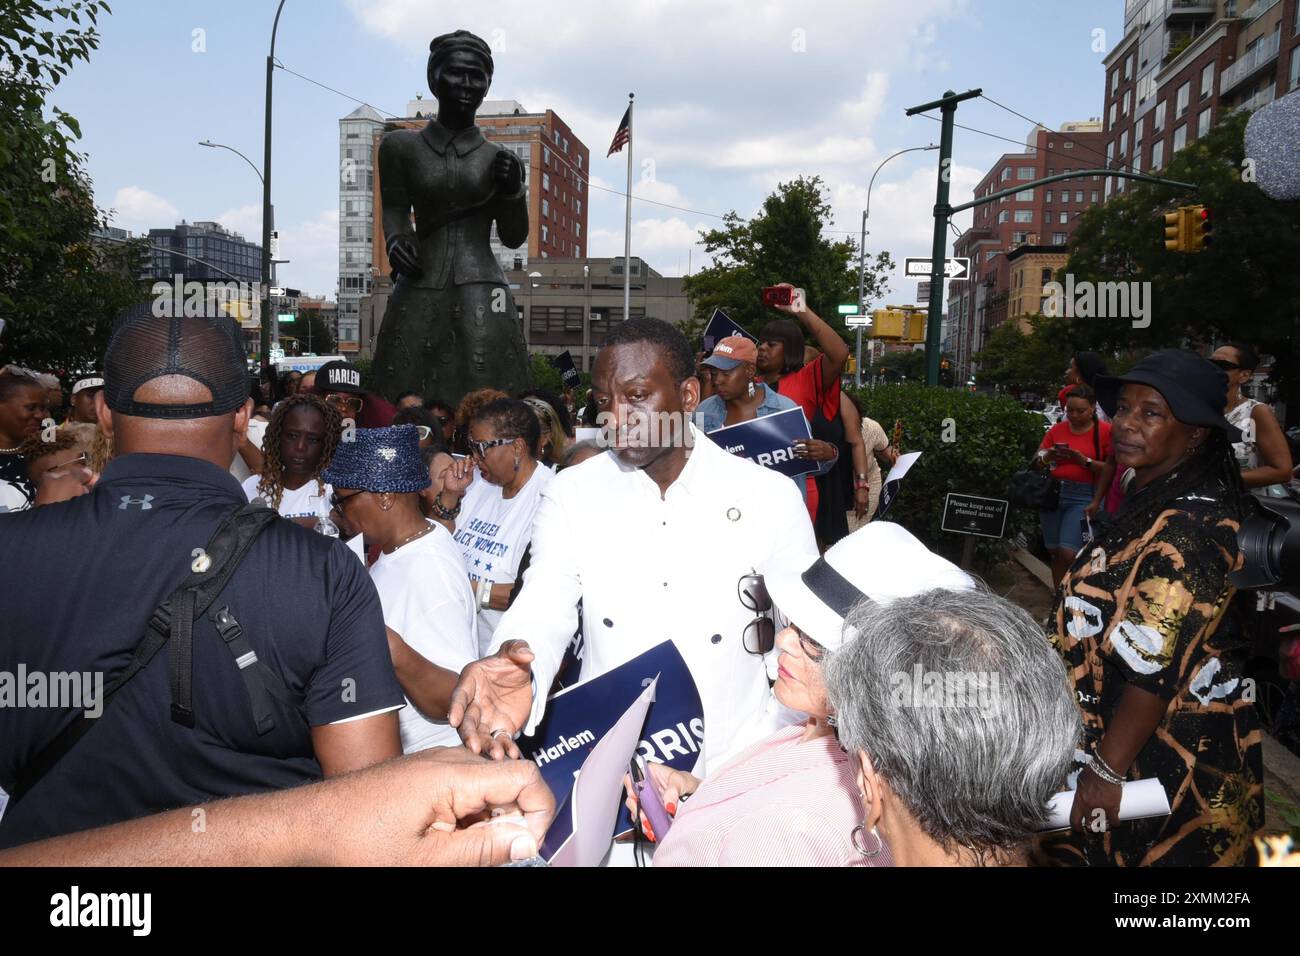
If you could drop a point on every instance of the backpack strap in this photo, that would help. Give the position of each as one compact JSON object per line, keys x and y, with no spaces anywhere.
{"x":208,"y":578}
{"x":261,"y":682}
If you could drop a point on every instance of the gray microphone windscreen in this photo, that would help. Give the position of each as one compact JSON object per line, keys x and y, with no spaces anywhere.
{"x":1273,"y":146}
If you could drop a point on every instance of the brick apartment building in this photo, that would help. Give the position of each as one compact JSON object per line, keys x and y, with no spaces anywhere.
{"x":1040,"y":219}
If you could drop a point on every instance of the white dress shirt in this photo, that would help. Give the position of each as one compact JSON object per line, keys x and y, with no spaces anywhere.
{"x":650,"y":568}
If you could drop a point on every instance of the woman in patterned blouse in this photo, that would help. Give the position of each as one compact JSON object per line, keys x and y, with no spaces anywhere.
{"x":1141,"y":621}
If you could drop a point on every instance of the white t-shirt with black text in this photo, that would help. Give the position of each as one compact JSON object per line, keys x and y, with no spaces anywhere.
{"x":428,"y":601}
{"x":493,"y":533}
{"x":305,"y":502}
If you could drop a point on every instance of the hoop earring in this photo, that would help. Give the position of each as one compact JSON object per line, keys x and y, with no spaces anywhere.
{"x":857,"y":844}
{"x":751,"y":388}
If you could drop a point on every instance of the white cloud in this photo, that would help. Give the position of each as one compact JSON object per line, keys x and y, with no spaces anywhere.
{"x":732,"y":98}
{"x":312,"y":246}
{"x":245,"y":220}
{"x":139,"y":210}
{"x":863,"y":111}
{"x":661,"y":242}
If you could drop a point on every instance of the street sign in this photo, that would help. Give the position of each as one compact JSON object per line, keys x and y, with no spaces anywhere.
{"x":848,"y":309}
{"x":953,"y":268}
{"x":923,"y":291}
{"x":286,"y":317}
{"x":969,"y":514}
{"x":857,"y":321}
{"x":277,"y":355}
{"x":277,"y":292}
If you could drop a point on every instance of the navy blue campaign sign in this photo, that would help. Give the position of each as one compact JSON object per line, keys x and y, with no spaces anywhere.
{"x":769,"y":441}
{"x":577,"y":717}
{"x":568,"y":371}
{"x":720,"y":326}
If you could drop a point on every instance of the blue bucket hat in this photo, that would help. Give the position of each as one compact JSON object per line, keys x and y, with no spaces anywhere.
{"x":379,"y":460}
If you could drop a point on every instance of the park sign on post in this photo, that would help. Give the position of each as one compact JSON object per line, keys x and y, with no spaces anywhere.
{"x":923,"y":291}
{"x":969,"y":514}
{"x":953,"y":268}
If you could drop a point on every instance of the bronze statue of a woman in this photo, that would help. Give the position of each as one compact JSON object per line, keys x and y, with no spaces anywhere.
{"x":451,"y":323}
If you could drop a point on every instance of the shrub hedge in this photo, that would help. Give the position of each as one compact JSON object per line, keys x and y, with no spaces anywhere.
{"x":990,"y":438}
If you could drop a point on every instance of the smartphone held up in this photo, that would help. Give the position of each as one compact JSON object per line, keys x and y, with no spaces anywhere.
{"x":784,"y":295}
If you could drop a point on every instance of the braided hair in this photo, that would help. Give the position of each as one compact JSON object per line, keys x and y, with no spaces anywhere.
{"x":1212,"y":463}
{"x":271,"y":486}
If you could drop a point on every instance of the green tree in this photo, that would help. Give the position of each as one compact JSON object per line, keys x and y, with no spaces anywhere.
{"x":784,"y":242}
{"x":1027,"y":362}
{"x":547,"y":376}
{"x":1244,"y":286}
{"x":59,"y":289}
{"x":312,"y":332}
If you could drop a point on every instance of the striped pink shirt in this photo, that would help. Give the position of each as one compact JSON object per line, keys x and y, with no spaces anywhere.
{"x":782,"y":802}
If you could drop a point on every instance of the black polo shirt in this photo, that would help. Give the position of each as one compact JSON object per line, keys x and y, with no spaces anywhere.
{"x":84,"y":577}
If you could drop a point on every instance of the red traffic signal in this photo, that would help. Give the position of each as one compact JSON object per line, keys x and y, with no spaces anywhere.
{"x":1200,"y":229}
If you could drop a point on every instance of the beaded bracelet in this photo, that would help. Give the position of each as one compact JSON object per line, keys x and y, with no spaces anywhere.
{"x":446,"y":514}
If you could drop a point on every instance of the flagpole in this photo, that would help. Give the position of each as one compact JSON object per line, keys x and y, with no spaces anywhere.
{"x":627,"y":225}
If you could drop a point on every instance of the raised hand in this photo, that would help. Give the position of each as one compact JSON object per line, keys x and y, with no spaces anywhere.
{"x":508,"y":172}
{"x":459,"y":476}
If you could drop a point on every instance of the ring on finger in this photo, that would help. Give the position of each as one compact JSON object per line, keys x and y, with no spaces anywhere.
{"x":498,"y":732}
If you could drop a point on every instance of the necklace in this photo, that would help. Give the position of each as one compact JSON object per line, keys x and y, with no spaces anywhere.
{"x":411,"y":537}
{"x":10,"y":451}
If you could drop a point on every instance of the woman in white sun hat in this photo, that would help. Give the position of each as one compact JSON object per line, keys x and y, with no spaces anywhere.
{"x":791,"y":799}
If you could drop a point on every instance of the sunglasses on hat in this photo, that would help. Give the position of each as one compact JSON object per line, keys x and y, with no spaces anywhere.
{"x":759,"y":635}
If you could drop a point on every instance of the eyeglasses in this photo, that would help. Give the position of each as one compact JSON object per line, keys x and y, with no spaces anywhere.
{"x":759,"y":635}
{"x":811,"y":649}
{"x":79,"y":460}
{"x":337,"y":502}
{"x":1225,"y":365}
{"x":424,"y":431}
{"x":479,"y":448}
{"x":343,"y":400}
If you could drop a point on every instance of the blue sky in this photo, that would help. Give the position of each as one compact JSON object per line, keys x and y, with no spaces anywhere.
{"x":732,"y":97}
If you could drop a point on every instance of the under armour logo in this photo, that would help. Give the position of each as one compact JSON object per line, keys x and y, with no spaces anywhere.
{"x":127,"y":501}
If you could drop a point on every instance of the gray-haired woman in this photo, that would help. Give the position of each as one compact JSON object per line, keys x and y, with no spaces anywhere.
{"x":961,"y":721}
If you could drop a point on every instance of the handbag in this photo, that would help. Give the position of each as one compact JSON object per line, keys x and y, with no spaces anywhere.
{"x":1033,"y":489}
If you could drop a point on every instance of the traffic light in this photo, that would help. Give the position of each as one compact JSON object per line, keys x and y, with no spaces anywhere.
{"x":1200,"y":228}
{"x":944,"y":365}
{"x":1176,"y":231}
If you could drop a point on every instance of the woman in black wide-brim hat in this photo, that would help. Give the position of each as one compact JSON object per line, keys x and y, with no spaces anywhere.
{"x":1140,"y":621}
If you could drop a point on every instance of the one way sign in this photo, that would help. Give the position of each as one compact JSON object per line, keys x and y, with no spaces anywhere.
{"x":952,"y":268}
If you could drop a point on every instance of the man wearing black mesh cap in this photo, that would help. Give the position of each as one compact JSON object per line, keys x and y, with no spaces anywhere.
{"x":321,"y":698}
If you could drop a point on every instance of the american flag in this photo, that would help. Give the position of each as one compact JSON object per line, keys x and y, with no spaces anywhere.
{"x":623,"y":135}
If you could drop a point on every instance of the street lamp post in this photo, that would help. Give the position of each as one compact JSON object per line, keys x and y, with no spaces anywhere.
{"x":862,"y":249}
{"x":276,"y":327}
{"x":266,"y":201}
